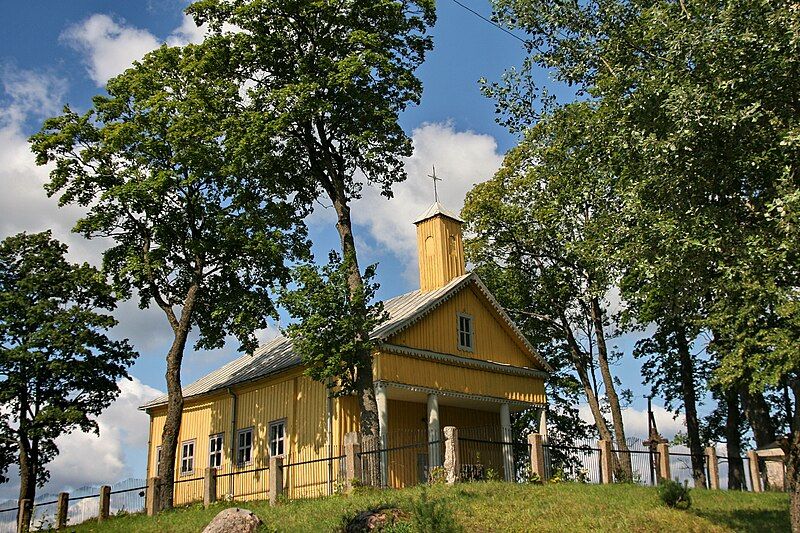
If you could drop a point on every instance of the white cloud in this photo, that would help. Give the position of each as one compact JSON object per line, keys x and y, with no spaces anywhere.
{"x":111,"y":46}
{"x":635,"y":421}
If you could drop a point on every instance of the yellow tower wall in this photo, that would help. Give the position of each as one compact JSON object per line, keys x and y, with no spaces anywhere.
{"x":440,"y":252}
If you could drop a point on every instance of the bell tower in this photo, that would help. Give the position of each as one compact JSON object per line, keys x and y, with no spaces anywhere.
{"x":439,"y":247}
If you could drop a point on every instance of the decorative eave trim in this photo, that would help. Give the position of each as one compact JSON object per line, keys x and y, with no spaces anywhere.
{"x":456,"y":360}
{"x":460,"y":395}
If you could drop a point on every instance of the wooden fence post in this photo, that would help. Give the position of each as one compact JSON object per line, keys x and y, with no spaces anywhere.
{"x":105,"y":502}
{"x":275,"y":479}
{"x":452,"y":459}
{"x":663,"y":461}
{"x":606,"y":468}
{"x":713,"y":468}
{"x":210,"y":487}
{"x":61,"y":510}
{"x":755,"y":471}
{"x":24,"y":516}
{"x":352,"y":461}
{"x":537,"y":455}
{"x":151,"y":496}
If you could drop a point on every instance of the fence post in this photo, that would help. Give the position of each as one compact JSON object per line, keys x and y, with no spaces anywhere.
{"x":210,"y":487}
{"x":275,"y":479}
{"x":663,"y":461}
{"x":352,"y":461}
{"x":151,"y":496}
{"x":755,"y":471}
{"x":61,"y":510}
{"x":537,"y":455}
{"x":713,"y":468}
{"x":606,"y":468}
{"x":105,"y":502}
{"x":452,"y":459}
{"x":24,"y":516}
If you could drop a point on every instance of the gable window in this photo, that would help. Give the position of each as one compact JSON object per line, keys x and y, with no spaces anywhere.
{"x":187,"y":457}
{"x":244,"y":448}
{"x":215,"y":450}
{"x":466,"y":339}
{"x":277,"y":438}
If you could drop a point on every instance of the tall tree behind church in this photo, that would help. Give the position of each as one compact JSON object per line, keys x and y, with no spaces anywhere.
{"x":195,"y":230}
{"x":326,"y":82}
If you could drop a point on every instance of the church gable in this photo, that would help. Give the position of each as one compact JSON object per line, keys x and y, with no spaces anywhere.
{"x":466,"y":325}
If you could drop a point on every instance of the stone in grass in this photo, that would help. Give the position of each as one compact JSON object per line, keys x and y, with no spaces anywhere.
{"x":233,"y":520}
{"x":373,"y":519}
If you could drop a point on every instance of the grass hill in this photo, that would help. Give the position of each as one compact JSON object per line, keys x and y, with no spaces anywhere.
{"x":501,"y":507}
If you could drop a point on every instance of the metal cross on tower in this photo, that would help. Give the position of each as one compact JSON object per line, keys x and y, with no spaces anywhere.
{"x":435,"y":179}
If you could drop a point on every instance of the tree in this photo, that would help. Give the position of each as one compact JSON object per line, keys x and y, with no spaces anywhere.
{"x":326,"y":81}
{"x":58,"y":366}
{"x":539,"y":220}
{"x":705,"y":146}
{"x":198,"y":229}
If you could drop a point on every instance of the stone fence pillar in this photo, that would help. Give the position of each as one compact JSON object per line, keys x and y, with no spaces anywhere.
{"x":61,"y":510}
{"x":152,"y":495}
{"x":105,"y":503}
{"x":275,"y":479}
{"x":210,"y":487}
{"x":452,"y":459}
{"x":713,"y":468}
{"x":537,"y":455}
{"x":606,"y":463}
{"x":352,"y":461}
{"x":663,"y":461}
{"x":755,"y":470}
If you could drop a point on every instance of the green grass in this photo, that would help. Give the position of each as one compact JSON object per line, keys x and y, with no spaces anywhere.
{"x":503,"y":507}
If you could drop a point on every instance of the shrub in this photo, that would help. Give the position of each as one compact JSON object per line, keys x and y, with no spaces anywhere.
{"x":432,"y":515}
{"x":673,"y":494}
{"x":437,"y":475}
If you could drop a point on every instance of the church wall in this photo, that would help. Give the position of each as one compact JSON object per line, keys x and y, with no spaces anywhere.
{"x":438,"y":332}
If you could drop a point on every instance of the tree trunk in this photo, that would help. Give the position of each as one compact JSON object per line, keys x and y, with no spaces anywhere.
{"x":172,"y":424}
{"x":733,"y":437}
{"x":686,"y":369}
{"x":625,"y":470}
{"x":793,"y":463}
{"x":27,"y":478}
{"x":365,"y":389}
{"x":757,"y":411}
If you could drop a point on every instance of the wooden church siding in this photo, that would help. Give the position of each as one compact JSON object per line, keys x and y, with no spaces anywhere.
{"x":435,"y":375}
{"x":438,"y":332}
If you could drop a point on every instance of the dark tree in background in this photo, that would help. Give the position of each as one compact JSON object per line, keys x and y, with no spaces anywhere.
{"x":58,"y":367}
{"x":199,"y":228}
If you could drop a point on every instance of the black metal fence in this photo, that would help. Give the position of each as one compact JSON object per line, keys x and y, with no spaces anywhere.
{"x":635,"y":465}
{"x":8,"y":519}
{"x":486,"y":453}
{"x":579,"y":462}
{"x":404,"y":459}
{"x":306,"y":475}
{"x":242,"y":485}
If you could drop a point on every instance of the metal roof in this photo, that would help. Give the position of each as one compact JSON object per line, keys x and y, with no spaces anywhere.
{"x":437,"y":209}
{"x":277,"y":355}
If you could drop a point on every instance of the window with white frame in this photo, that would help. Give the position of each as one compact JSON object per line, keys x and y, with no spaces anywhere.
{"x":215,"y":450}
{"x":277,"y":438}
{"x":187,"y":457}
{"x":466,"y":339}
{"x":244,"y":446}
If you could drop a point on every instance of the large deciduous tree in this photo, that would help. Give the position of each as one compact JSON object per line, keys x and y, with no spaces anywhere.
{"x":326,"y":81}
{"x":199,"y":227}
{"x":58,"y":367}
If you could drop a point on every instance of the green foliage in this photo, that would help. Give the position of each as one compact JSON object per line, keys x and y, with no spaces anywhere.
{"x":58,"y":365}
{"x":673,"y":494}
{"x":429,"y":514}
{"x":328,"y":334}
{"x":437,"y":475}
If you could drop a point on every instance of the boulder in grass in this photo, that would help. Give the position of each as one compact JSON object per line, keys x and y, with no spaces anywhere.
{"x":233,"y":520}
{"x":374,"y":519}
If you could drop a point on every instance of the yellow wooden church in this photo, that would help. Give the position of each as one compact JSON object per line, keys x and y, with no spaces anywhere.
{"x":449,"y":355}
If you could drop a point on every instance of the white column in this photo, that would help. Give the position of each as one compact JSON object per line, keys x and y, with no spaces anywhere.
{"x":543,"y":423}
{"x":434,"y":434}
{"x":383,"y":424}
{"x":508,"y":449}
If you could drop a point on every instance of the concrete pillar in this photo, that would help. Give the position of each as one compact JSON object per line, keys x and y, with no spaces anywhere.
{"x":275,"y":479}
{"x":508,"y":449}
{"x":537,"y":455}
{"x":383,"y":423}
{"x":434,"y":433}
{"x":452,"y":459}
{"x":105,"y":502}
{"x":713,"y":468}
{"x":209,"y":487}
{"x":61,"y":510}
{"x":24,"y":516}
{"x":151,"y":496}
{"x":755,"y":471}
{"x":606,"y":464}
{"x":352,"y":462}
{"x":663,"y":461}
{"x":543,"y":423}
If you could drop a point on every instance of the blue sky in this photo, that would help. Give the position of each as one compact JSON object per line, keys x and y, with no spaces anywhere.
{"x":52,"y":53}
